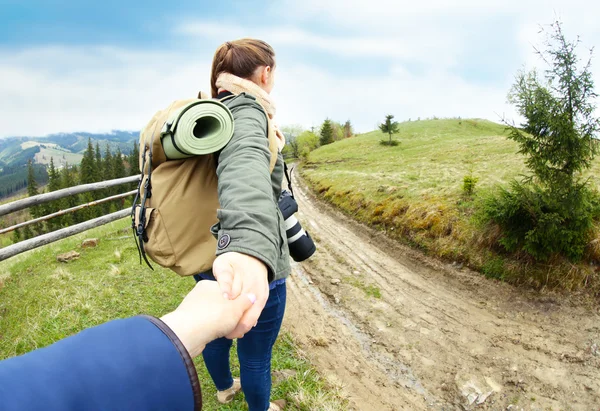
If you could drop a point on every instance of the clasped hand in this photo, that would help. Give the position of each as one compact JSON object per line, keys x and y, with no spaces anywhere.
{"x":228,"y":308}
{"x":239,"y":274}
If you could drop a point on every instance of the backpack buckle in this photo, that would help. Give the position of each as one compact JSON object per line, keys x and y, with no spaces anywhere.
{"x":166,"y":129}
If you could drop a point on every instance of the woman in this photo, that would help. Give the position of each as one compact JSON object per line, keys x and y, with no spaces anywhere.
{"x":252,"y":253}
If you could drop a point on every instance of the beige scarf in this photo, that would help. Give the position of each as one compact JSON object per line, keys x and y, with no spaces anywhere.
{"x":237,"y":85}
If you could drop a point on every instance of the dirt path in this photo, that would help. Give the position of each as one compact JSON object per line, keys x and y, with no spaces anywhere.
{"x":401,"y":331}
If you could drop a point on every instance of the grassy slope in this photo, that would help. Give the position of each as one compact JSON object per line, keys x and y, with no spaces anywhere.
{"x":414,"y":190}
{"x":61,"y":157}
{"x":42,"y":301}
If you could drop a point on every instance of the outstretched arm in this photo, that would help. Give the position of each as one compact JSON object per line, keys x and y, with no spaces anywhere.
{"x":135,"y":363}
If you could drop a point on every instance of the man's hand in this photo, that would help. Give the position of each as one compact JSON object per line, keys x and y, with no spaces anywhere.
{"x":238,"y":274}
{"x":204,"y":315}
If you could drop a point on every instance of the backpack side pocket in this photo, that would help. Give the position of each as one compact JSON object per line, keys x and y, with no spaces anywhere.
{"x":158,"y":246}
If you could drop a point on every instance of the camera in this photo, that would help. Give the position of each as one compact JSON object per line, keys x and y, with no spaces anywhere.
{"x":300,"y":244}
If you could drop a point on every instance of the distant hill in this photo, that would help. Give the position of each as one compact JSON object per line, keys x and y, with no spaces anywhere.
{"x":63,"y":148}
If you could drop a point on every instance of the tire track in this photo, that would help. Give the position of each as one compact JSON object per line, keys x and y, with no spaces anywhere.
{"x":438,"y":337}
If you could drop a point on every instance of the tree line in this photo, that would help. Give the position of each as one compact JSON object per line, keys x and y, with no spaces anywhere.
{"x":300,"y":142}
{"x":96,"y":165}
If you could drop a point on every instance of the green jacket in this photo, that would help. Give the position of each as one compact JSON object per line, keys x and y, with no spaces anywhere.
{"x":249,"y":219}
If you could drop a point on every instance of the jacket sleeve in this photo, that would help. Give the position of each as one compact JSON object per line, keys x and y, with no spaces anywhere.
{"x":131,"y":364}
{"x":248,"y":216}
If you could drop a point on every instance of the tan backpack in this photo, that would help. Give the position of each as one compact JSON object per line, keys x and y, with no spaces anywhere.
{"x":177,"y":200}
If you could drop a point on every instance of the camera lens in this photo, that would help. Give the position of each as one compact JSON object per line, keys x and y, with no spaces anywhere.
{"x":300,"y":244}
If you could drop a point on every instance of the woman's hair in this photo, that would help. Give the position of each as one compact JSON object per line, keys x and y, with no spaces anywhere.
{"x":240,"y":58}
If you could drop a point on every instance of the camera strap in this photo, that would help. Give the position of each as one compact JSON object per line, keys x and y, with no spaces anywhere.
{"x":288,"y":174}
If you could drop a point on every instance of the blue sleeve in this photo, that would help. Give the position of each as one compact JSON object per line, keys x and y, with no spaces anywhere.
{"x":131,"y":364}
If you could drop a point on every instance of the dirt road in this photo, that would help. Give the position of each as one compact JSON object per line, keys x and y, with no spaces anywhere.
{"x":402,"y":331}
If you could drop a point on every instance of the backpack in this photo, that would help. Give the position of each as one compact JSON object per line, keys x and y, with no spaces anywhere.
{"x":177,"y":199}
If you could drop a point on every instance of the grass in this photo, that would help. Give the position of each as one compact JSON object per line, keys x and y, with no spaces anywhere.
{"x":370,"y":290}
{"x":60,"y":157}
{"x":42,"y":301}
{"x":418,"y":193}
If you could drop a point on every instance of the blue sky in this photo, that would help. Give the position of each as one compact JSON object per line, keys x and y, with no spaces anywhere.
{"x":97,"y":66}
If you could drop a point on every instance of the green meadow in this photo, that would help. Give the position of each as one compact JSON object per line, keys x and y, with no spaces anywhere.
{"x":42,"y":301}
{"x":414,"y":192}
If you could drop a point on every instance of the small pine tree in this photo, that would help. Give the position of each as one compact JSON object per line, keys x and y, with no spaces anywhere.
{"x":348,"y":132}
{"x":27,"y":233}
{"x":99,"y":161}
{"x":87,"y":164}
{"x":109,"y":174}
{"x":109,"y":166}
{"x":552,"y":211}
{"x":16,"y":236}
{"x":134,"y":160}
{"x":389,"y":126}
{"x":326,"y":133}
{"x":53,"y":185}
{"x":67,"y":180}
{"x":32,"y":186}
{"x":53,"y":177}
{"x":118,"y":165}
{"x":32,"y":189}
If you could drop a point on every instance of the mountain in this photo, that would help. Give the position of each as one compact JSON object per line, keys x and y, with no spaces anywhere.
{"x":63,"y":148}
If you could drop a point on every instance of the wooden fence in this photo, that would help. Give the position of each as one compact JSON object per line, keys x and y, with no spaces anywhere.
{"x":48,"y":238}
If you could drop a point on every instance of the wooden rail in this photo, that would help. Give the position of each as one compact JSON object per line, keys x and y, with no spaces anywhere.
{"x":44,"y":239}
{"x":65,"y":192}
{"x":66,"y":211}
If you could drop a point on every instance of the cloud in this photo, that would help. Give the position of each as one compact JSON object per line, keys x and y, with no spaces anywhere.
{"x":429,"y":55}
{"x":54,"y":89}
{"x":457,"y":26}
{"x":393,"y":15}
{"x":432,"y":45}
{"x":366,"y":100}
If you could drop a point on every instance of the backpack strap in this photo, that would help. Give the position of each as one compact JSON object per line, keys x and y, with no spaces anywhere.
{"x":226,"y":95}
{"x":139,"y":230}
{"x":288,"y":177}
{"x":134,"y":206}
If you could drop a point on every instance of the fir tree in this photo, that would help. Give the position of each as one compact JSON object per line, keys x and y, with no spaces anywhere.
{"x":134,"y":160}
{"x":553,"y":210}
{"x":87,"y":165}
{"x":66,"y":181}
{"x":108,"y":165}
{"x":99,"y":161}
{"x":389,"y":126}
{"x":326,"y":133}
{"x":118,"y":165}
{"x":53,"y":185}
{"x":348,"y":132}
{"x":32,"y":189}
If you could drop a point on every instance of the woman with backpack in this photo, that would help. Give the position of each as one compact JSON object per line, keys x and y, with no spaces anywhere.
{"x":252,"y":249}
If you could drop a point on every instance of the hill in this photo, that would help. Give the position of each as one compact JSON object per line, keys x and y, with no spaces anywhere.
{"x":414,"y":191}
{"x":63,"y":148}
{"x":42,"y":301}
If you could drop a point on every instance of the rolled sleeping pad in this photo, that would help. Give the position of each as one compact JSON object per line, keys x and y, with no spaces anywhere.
{"x":198,"y":128}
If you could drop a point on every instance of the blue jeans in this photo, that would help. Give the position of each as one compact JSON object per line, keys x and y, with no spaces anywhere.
{"x":254,"y":353}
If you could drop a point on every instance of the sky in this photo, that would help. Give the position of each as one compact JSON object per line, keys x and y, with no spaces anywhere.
{"x":68,"y":66}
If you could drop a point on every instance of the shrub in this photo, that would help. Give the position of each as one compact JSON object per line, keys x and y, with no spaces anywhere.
{"x":543,"y":223}
{"x":469,"y":182}
{"x":494,"y":268}
{"x":552,"y":211}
